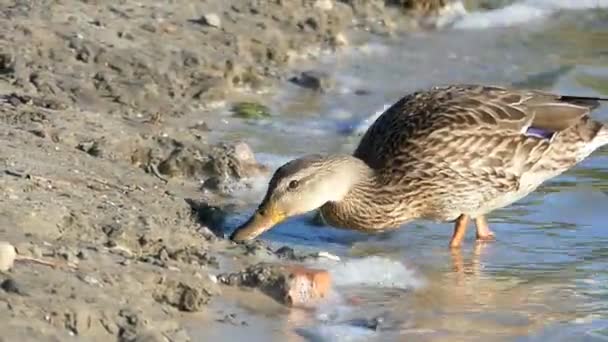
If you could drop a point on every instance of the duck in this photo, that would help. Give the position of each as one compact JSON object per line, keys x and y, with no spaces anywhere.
{"x":451,"y":153}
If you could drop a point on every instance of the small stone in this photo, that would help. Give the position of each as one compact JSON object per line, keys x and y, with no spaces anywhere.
{"x":10,"y":286}
{"x":339,"y":40}
{"x":314,"y":80}
{"x":8,"y":254}
{"x":286,"y":252}
{"x":325,"y":5}
{"x":149,"y":27}
{"x":183,"y":296}
{"x":163,"y":255}
{"x":89,"y":279}
{"x":190,"y":300}
{"x":211,"y":19}
{"x":306,"y":285}
{"x":292,"y":285}
{"x":67,"y":254}
{"x":229,"y":319}
{"x":82,"y":254}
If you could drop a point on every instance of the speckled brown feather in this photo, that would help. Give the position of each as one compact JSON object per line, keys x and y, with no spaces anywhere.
{"x":464,"y":149}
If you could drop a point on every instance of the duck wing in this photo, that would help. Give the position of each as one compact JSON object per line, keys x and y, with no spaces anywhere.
{"x":469,"y":124}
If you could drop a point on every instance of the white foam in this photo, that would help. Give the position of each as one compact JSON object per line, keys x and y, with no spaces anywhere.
{"x":336,"y":332}
{"x":507,"y":16}
{"x":373,"y":271}
{"x":522,"y":12}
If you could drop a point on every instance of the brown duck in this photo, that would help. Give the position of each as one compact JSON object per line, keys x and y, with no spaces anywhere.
{"x":445,"y":154}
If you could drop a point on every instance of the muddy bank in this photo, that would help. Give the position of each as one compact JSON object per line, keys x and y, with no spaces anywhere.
{"x":108,"y":168}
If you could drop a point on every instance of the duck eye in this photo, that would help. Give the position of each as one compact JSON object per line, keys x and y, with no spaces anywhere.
{"x":293,"y":184}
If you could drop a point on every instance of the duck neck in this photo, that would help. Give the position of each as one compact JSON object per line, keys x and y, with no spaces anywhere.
{"x":367,"y":205}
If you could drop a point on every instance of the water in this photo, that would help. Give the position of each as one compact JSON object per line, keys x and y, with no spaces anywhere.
{"x":546,"y":275}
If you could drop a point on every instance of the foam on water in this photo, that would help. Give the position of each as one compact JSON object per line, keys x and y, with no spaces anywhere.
{"x":373,"y":271}
{"x":522,"y":12}
{"x":336,"y":332}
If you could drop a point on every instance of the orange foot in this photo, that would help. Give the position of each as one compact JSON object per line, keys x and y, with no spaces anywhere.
{"x":484,"y":234}
{"x":488,"y":237}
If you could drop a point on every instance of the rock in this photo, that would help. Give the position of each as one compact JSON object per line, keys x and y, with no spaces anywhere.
{"x":208,"y":215}
{"x":68,"y":254}
{"x":11,"y":286}
{"x":286,"y":252}
{"x":8,"y":254}
{"x":291,"y":285}
{"x":131,"y":324}
{"x":92,"y":148}
{"x":82,"y":254}
{"x":184,"y":297}
{"x":339,"y":39}
{"x":7,"y":63}
{"x":231,"y":319}
{"x":258,"y":249}
{"x":211,"y":19}
{"x":314,"y":80}
{"x":193,"y":255}
{"x":325,"y":5}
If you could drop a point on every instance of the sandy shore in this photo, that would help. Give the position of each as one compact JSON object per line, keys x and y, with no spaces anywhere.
{"x":106,"y":139}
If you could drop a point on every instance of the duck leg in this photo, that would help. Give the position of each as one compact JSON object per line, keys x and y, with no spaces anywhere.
{"x":483,"y":230}
{"x":460,"y":228}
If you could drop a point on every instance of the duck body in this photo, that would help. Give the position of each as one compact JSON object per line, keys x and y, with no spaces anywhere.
{"x":448,"y":153}
{"x":466,"y":149}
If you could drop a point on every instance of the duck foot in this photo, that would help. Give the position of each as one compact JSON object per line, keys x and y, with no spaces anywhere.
{"x":484,"y":234}
{"x":486,"y":238}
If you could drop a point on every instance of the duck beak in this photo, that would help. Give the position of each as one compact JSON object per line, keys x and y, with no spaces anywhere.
{"x":262,"y":220}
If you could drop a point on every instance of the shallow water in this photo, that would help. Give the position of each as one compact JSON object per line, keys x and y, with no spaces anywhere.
{"x":546,"y":275}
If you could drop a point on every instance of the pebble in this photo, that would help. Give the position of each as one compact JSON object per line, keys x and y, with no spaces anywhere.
{"x":286,"y":252}
{"x":10,"y":285}
{"x":315,"y":80}
{"x":89,"y":279}
{"x":7,"y":256}
{"x":325,"y":5}
{"x":82,"y":254}
{"x":67,"y":254}
{"x":292,"y":285}
{"x":212,"y":20}
{"x":306,"y":285}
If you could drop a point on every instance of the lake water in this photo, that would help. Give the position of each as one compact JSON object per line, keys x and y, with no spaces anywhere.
{"x":545,"y":278}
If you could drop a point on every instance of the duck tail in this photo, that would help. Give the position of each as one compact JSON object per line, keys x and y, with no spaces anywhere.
{"x":592,"y":102}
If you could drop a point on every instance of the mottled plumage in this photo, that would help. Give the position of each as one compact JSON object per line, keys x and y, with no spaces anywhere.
{"x":449,"y":153}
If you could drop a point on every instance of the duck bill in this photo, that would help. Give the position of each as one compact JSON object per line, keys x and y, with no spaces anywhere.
{"x":258,"y":223}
